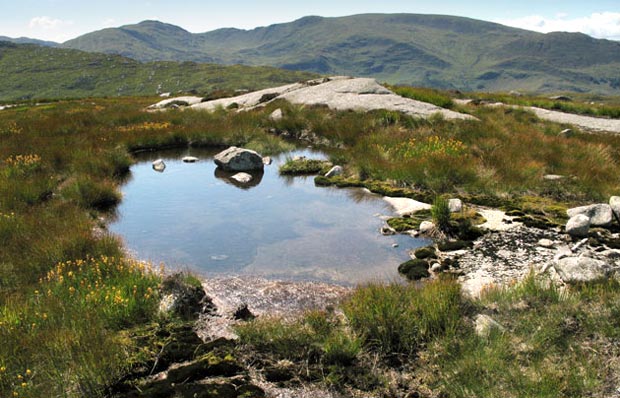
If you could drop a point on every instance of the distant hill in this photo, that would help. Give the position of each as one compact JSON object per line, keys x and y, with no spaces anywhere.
{"x":29,"y":71}
{"x":27,"y":40}
{"x":427,"y":50}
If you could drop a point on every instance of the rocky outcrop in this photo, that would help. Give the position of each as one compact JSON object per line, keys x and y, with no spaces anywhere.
{"x":406,"y":206}
{"x":175,"y":102}
{"x":338,"y":93}
{"x":239,"y":159}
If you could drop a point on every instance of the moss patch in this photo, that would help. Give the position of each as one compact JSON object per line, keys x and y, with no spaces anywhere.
{"x":415,"y":269}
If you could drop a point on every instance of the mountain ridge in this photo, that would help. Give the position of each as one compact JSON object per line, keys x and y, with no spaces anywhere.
{"x":416,"y":49}
{"x":438,"y":51}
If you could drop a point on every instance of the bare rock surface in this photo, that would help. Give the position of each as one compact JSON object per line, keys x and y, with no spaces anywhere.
{"x":403,"y":206}
{"x":238,"y":159}
{"x":586,"y":122}
{"x":338,"y":93}
{"x":189,"y":100}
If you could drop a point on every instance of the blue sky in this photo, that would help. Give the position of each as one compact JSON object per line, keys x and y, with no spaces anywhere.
{"x":60,"y":20}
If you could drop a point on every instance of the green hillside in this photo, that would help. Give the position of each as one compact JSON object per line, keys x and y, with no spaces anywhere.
{"x":28,"y":72}
{"x":429,"y":50}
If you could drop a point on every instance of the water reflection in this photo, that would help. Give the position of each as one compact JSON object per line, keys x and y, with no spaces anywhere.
{"x":227,"y":177}
{"x":193,"y":216}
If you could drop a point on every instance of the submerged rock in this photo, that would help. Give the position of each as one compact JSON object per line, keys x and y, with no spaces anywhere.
{"x":239,"y":159}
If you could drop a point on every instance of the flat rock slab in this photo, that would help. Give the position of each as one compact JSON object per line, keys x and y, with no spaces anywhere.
{"x":189,"y":100}
{"x":403,"y":206}
{"x":338,"y":93}
{"x":586,"y":122}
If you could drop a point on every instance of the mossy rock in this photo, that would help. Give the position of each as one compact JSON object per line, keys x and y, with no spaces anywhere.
{"x":415,"y":269}
{"x":515,"y":213}
{"x":400,"y":224}
{"x":427,"y":252}
{"x":450,"y":246}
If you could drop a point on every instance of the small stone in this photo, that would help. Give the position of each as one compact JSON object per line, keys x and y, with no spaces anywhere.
{"x":189,"y":159}
{"x":334,"y":171}
{"x":394,"y":245}
{"x":578,"y":226}
{"x":548,"y":243}
{"x":436,"y":267}
{"x":485,"y":325}
{"x":387,"y":231}
{"x":426,"y":227}
{"x":553,"y":177}
{"x":455,"y":205}
{"x":276,"y":115}
{"x":566,"y":133}
{"x":159,"y":165}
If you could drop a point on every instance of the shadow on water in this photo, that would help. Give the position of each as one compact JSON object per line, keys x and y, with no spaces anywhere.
{"x":194,"y":216}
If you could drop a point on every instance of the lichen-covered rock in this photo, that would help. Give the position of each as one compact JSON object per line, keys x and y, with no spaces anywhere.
{"x":183,"y":298}
{"x":581,"y":269}
{"x":599,"y":214}
{"x":578,"y":226}
{"x":239,"y":159}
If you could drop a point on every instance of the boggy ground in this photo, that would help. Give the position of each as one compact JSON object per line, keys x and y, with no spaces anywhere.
{"x":72,"y":306}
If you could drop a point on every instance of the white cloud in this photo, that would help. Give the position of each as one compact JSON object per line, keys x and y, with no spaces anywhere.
{"x":603,"y":25}
{"x":47,"y":23}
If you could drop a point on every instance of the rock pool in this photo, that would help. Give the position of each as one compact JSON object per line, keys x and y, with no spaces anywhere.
{"x":193,"y":216}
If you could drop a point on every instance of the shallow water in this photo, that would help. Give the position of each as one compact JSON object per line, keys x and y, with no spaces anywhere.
{"x":192,"y":216}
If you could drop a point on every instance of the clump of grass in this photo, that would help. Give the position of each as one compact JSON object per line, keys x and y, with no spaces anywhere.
{"x":429,"y":95}
{"x":440,"y":212}
{"x":304,"y":166}
{"x":398,"y":319}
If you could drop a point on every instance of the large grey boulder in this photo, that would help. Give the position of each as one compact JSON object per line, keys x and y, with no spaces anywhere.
{"x":599,"y":214}
{"x":581,"y":269}
{"x":239,"y":159}
{"x":578,"y":226}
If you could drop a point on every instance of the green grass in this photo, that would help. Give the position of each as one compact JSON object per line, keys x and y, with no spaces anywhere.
{"x":304,"y":166}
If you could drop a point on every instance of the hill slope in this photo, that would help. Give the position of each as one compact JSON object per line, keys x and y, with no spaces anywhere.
{"x":428,"y":50}
{"x":30,"y":71}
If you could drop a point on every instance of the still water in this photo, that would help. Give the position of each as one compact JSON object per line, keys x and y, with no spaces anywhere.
{"x":191,"y":216}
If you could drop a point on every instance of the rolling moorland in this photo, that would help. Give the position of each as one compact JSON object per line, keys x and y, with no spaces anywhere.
{"x":79,"y":318}
{"x":28,"y":71}
{"x":421,"y":50}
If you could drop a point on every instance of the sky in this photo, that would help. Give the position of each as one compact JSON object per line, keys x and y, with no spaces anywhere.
{"x":61,"y":20}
